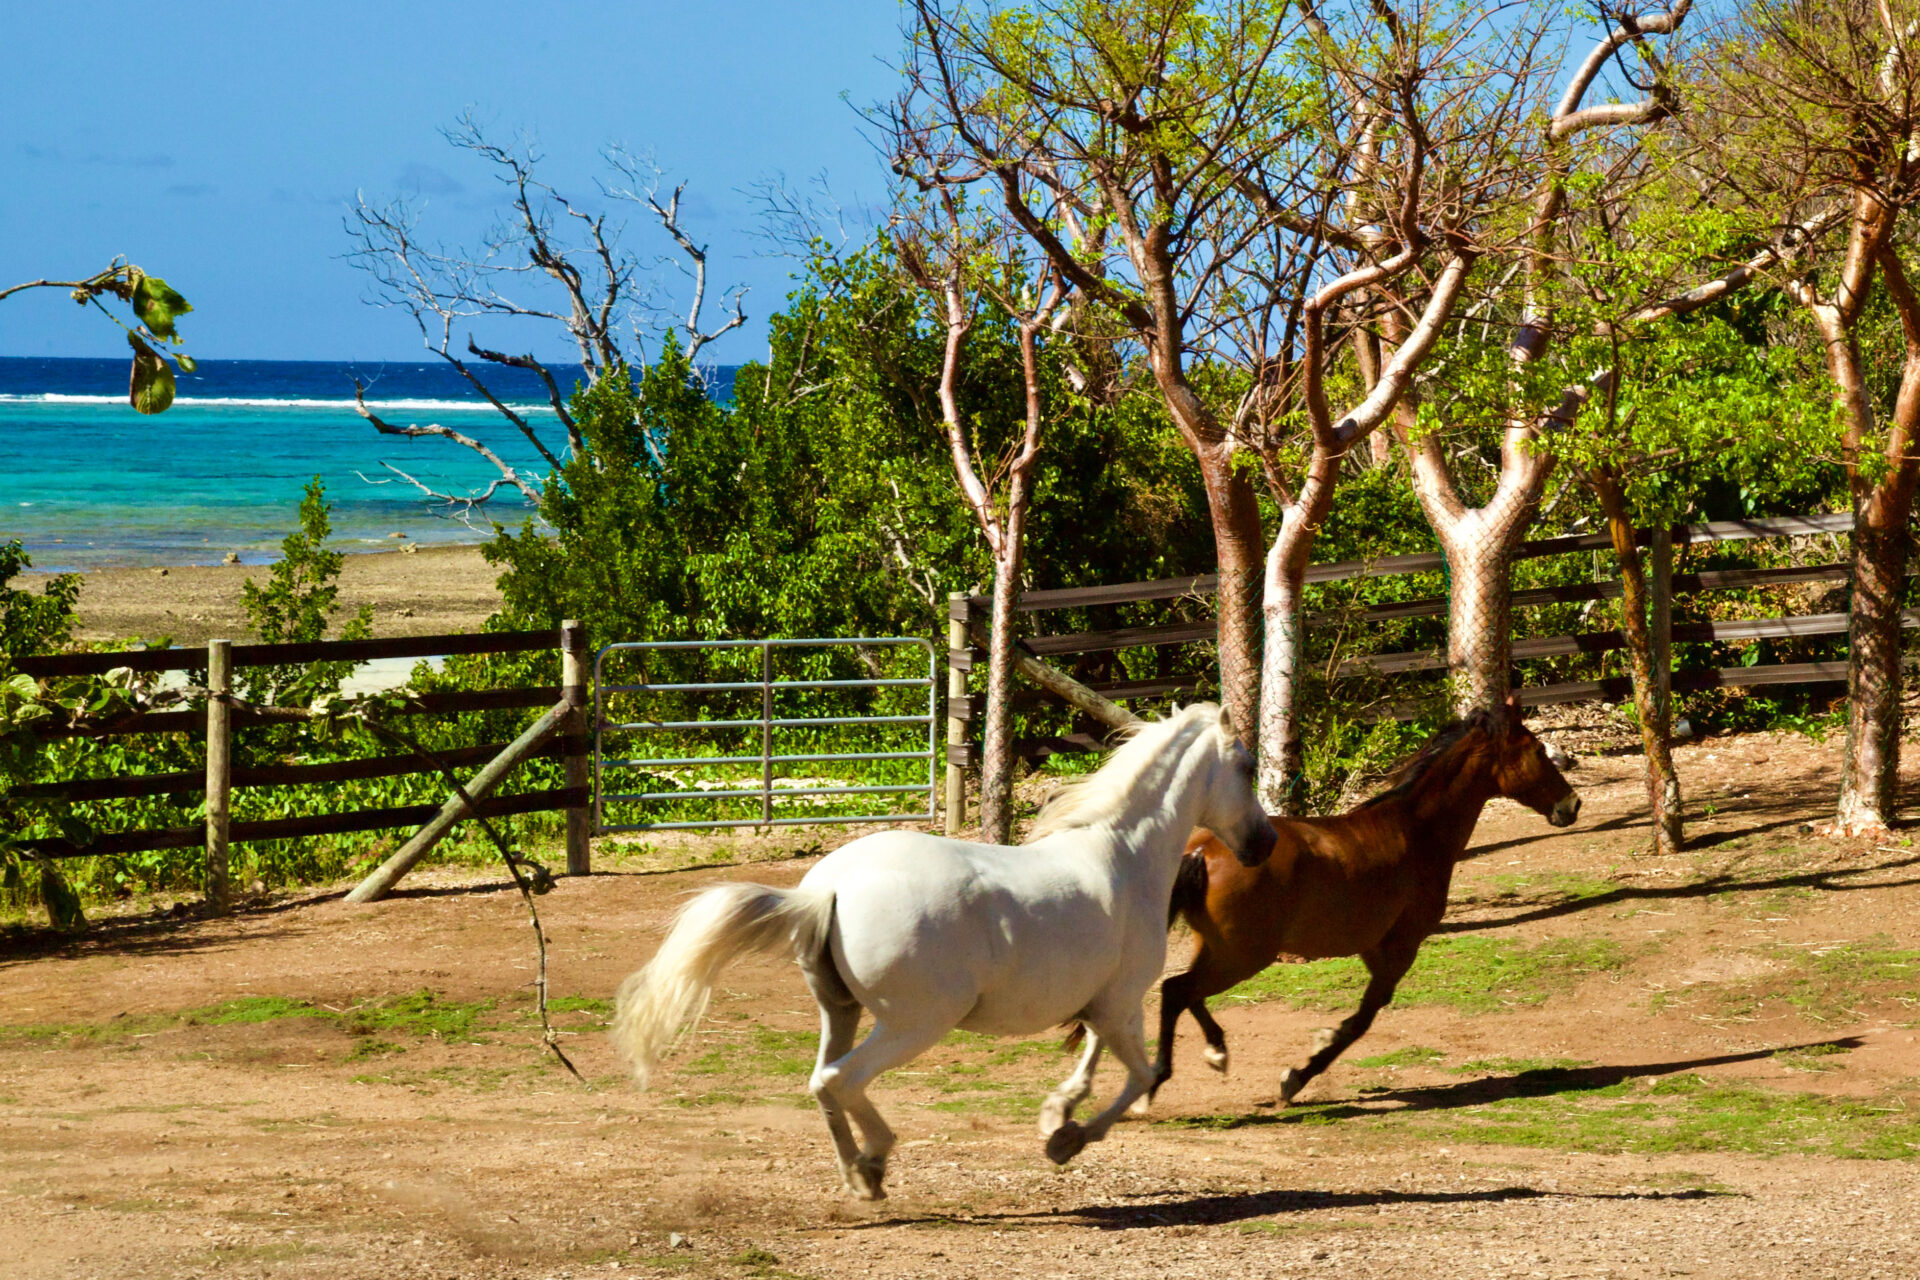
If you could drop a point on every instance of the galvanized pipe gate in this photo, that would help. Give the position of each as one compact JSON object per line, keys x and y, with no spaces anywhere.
{"x":767,"y":723}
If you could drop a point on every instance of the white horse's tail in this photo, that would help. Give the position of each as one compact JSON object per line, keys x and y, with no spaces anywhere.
{"x":658,"y":1003}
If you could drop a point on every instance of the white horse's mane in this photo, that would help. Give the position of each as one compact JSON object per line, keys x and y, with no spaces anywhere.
{"x":1102,"y":795}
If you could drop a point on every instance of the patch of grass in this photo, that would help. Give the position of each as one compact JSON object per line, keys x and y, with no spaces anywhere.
{"x":580,"y":1004}
{"x":1545,"y":887}
{"x":1515,"y":1066}
{"x":1832,"y":983}
{"x":1566,"y":1111}
{"x":252,"y":1009}
{"x":759,"y":1051}
{"x":1412,"y":1056}
{"x":1473,"y":975}
{"x":1016,"y":1107}
{"x":373,"y":1048}
{"x":421,"y":1013}
{"x":1812,"y":1058}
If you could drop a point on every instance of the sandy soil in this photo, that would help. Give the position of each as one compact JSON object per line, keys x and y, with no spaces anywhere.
{"x":426,"y":591}
{"x":140,"y":1138}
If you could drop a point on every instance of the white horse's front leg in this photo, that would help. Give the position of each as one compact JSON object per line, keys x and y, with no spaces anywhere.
{"x":1058,"y":1108}
{"x":1130,"y":1046}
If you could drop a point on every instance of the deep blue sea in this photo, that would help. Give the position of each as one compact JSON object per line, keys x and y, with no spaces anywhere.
{"x":87,"y":482}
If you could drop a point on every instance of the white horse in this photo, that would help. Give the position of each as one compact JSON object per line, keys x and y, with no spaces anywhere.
{"x":932,"y":934}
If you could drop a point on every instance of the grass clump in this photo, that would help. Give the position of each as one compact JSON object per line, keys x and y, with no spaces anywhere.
{"x":422,"y":1013}
{"x":252,"y":1009}
{"x":1473,"y":975}
{"x":1412,"y":1056}
{"x":1581,"y":1110}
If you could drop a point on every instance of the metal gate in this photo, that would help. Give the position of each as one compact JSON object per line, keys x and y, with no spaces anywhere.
{"x":767,"y":759}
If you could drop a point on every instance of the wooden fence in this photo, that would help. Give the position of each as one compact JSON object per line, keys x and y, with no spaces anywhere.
{"x":968,"y":616}
{"x":221,"y":718}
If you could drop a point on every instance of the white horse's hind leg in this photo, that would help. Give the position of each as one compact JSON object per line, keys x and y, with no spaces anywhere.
{"x":838,"y":1023}
{"x":1058,"y":1108}
{"x":845,"y":1083}
{"x":1129,"y":1045}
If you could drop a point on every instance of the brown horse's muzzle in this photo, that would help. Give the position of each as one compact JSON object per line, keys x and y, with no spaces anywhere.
{"x":1564,"y":813}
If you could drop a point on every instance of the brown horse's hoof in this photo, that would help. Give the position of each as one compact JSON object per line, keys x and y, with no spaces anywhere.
{"x":1066,"y":1142}
{"x":1292,"y":1081}
{"x":1216,"y":1058}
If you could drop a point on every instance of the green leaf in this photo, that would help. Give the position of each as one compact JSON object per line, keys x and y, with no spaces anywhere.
{"x":186,"y":362}
{"x":151,"y":388}
{"x":157,"y":304}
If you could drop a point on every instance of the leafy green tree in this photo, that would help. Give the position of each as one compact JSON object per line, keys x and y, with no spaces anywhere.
{"x":297,"y":606}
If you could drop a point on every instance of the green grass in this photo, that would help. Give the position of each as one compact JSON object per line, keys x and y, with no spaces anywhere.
{"x":1832,"y":984}
{"x":1561,"y":1109}
{"x":1472,"y":975}
{"x":1815,"y":1057}
{"x":421,"y":1013}
{"x":1515,"y":1066}
{"x":759,"y":1051}
{"x":252,"y":1009}
{"x":1412,"y":1056}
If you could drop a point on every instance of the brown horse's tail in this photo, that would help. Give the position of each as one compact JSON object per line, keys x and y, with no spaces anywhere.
{"x":1189,"y":887}
{"x":1189,"y":893}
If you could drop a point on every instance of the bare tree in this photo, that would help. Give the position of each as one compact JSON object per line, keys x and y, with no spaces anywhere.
{"x":550,"y":260}
{"x":1479,"y":541}
{"x":962,"y":260}
{"x":1816,"y":107}
{"x":1413,"y":182}
{"x":1102,"y":127}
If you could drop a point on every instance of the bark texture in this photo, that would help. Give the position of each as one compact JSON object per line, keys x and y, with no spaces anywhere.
{"x":1663,"y":784}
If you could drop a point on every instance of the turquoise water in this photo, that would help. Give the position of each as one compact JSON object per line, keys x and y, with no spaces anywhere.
{"x":88,"y":482}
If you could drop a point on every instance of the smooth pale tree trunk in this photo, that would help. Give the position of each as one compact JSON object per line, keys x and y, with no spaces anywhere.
{"x":1479,"y":545}
{"x":1663,"y":783}
{"x":1282,"y":756}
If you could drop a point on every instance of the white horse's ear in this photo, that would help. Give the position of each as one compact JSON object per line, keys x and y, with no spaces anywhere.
{"x":1226,"y":721}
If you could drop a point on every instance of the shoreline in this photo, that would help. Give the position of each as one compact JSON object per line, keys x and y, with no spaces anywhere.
{"x":426,"y":589}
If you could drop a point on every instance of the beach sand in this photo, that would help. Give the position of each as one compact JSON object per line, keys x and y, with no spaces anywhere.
{"x":428,"y":591}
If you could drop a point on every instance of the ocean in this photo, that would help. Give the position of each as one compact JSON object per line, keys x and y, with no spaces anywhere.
{"x":88,"y":483}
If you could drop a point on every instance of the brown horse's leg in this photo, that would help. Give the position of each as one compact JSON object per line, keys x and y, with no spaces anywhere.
{"x":1386,"y":965}
{"x":1176,"y":994}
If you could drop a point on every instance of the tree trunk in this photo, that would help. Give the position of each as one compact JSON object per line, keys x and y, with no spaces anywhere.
{"x":1239,"y":555}
{"x":1663,"y":784}
{"x":1280,"y":755}
{"x":1872,"y":768}
{"x":996,"y":763}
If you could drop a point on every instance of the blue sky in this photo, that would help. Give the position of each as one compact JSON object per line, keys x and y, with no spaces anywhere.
{"x":218,"y":144}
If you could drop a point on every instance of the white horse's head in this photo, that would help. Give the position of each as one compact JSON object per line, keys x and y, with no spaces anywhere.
{"x":1231,"y":805}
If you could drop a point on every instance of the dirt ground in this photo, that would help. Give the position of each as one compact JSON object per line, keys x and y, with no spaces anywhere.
{"x":1607,"y":1065}
{"x":426,"y":591}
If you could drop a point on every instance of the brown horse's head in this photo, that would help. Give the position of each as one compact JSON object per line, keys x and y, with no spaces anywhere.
{"x":1521,"y":770}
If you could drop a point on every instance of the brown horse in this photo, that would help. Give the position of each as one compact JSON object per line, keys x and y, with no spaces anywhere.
{"x":1372,"y":882}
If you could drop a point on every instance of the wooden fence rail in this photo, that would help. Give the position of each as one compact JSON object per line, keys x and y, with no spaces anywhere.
{"x":969,"y":612}
{"x":565,"y":740}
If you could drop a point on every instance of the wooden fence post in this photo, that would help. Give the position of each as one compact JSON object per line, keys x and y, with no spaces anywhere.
{"x":1660,"y":623}
{"x":959,"y":662}
{"x":219,"y":773}
{"x":574,"y":688}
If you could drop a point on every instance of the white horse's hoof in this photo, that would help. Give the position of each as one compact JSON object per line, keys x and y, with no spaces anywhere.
{"x":866,"y":1177}
{"x":1066,"y":1142}
{"x":1216,"y":1058}
{"x":1292,"y":1081}
{"x":1052,"y":1116}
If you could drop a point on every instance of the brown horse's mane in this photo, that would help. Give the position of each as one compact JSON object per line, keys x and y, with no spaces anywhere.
{"x":1407,"y":775}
